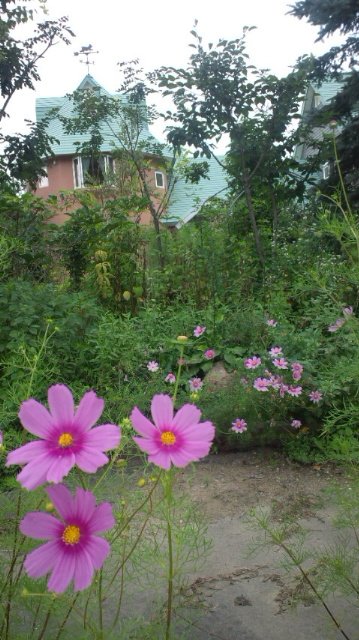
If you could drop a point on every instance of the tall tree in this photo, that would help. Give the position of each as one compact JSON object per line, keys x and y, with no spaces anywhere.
{"x":220,"y":93}
{"x":22,"y":155}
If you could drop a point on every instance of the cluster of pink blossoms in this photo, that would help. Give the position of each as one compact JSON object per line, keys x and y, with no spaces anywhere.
{"x":73,"y":550}
{"x":277,"y":382}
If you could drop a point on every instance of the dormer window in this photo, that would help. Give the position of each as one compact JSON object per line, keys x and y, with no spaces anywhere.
{"x":159,"y":180}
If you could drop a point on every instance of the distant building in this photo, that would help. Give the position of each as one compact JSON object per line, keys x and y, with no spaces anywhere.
{"x":67,"y":171}
{"x":317,"y":97}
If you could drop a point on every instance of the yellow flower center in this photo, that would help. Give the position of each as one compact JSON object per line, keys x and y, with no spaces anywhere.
{"x":168,"y":438}
{"x":71,"y":534}
{"x":65,"y":440}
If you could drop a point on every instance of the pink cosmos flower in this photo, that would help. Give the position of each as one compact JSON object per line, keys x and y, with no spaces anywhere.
{"x":176,"y":440}
{"x":275,"y":351}
{"x":348,"y":311}
{"x":315,"y":396}
{"x":209,"y":354}
{"x":239,"y":425}
{"x":280,"y":363}
{"x":195,"y":384}
{"x":271,"y":323}
{"x":294,"y":391}
{"x":67,"y":438}
{"x":198,"y":331}
{"x":297,"y":370}
{"x":152,"y":366}
{"x":283,"y":390}
{"x":276,"y":382}
{"x":337,"y":325}
{"x":73,"y":551}
{"x":261,"y":384}
{"x":296,"y":424}
{"x":170,"y":377}
{"x":252,"y":363}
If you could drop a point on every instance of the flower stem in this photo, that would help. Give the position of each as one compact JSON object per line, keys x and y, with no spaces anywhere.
{"x":168,"y":486}
{"x":178,"y":377}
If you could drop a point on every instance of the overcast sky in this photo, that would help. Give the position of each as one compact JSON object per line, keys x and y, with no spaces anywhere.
{"x":158,"y":33}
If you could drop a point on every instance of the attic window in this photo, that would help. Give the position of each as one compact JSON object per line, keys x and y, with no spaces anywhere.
{"x":317,"y":100}
{"x":159,"y":179}
{"x":326,"y":171}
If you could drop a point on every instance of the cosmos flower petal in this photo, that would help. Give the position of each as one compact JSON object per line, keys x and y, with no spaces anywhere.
{"x":89,"y":411}
{"x":40,"y":525}
{"x":60,"y":467}
{"x":63,"y":572}
{"x":104,"y":437}
{"x":187,"y":416}
{"x":62,"y":500}
{"x":181,"y":458}
{"x":141,"y":424}
{"x":84,"y":504}
{"x":26,"y":453}
{"x":84,"y":570}
{"x":147,"y":445}
{"x":35,"y":472}
{"x":200,"y":431}
{"x":42,"y":560}
{"x":161,"y":458}
{"x":98,"y":550}
{"x":35,"y":418}
{"x":61,"y":404}
{"x":198,"y":449}
{"x":102,"y":519}
{"x":162,"y":410}
{"x":90,"y":459}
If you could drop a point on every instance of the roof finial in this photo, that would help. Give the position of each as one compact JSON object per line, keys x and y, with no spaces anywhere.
{"x":86,"y":51}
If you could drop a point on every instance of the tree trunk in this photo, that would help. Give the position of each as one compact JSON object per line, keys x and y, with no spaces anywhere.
{"x":252,"y":217}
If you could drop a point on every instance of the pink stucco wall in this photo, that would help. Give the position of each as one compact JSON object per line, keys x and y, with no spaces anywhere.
{"x":60,"y":179}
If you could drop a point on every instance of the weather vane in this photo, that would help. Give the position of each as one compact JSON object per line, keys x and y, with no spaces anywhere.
{"x":86,"y":51}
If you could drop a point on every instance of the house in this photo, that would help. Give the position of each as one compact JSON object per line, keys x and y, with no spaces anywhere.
{"x":317,"y":97}
{"x":67,"y":170}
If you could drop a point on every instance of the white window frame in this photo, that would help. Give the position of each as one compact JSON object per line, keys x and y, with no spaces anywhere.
{"x":43,"y":180}
{"x":160,"y":186}
{"x":108,"y":161}
{"x":78,"y":176}
{"x":326,"y":170}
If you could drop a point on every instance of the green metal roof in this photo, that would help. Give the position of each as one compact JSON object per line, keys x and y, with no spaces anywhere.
{"x":66,"y":144}
{"x":187,"y":199}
